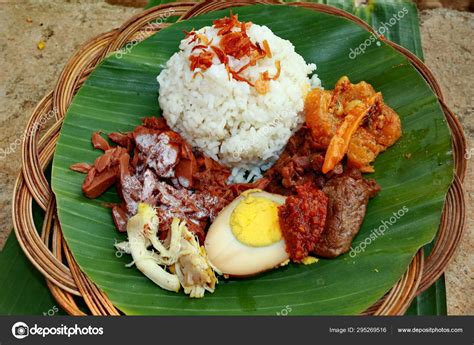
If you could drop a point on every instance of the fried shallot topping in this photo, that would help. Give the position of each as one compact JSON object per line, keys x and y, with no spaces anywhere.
{"x":202,"y":61}
{"x":235,"y":43}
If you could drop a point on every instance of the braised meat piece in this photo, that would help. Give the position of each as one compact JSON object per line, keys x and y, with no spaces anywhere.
{"x":158,"y":151}
{"x":299,"y":164}
{"x":197,"y":208}
{"x":122,"y":139}
{"x":103,"y":174}
{"x":120,"y":217}
{"x":348,"y":196}
{"x":210,"y":175}
{"x":99,"y":143}
{"x":187,"y":166}
{"x":81,"y":167}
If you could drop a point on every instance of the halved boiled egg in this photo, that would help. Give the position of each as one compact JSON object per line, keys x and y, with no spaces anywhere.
{"x":245,"y":238}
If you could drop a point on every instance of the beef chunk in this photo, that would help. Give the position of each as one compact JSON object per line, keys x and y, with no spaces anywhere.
{"x":348,"y":196}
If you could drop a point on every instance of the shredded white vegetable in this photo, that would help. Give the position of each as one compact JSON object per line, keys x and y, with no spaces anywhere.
{"x":180,"y":263}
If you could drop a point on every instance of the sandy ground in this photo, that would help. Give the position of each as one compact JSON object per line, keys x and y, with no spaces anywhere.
{"x":448,"y":49}
{"x":28,"y":73}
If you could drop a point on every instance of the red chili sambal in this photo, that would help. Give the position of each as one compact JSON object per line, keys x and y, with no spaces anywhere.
{"x":302,"y":220}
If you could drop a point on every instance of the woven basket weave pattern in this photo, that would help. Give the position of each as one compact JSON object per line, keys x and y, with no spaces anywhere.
{"x":46,"y":248}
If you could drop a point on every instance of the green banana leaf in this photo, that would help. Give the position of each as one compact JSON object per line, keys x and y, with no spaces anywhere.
{"x":24,"y":290}
{"x":433,"y":300}
{"x":430,"y":302}
{"x":121,"y":91}
{"x":19,"y":296}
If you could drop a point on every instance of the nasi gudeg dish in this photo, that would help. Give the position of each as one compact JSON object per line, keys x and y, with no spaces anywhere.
{"x":252,"y":165}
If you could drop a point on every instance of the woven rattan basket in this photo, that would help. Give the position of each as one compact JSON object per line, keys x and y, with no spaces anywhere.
{"x":46,"y":248}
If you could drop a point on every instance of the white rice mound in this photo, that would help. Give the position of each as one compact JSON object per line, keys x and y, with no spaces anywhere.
{"x":227,"y":119}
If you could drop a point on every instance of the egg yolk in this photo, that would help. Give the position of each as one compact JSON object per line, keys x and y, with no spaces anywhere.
{"x":255,"y":222}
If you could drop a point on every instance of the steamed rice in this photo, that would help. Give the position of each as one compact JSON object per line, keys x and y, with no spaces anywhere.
{"x":227,"y":119}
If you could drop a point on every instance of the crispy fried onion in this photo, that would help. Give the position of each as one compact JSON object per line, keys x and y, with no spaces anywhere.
{"x":235,"y":43}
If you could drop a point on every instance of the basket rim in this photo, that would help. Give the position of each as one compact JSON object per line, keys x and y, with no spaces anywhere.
{"x":37,"y":152}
